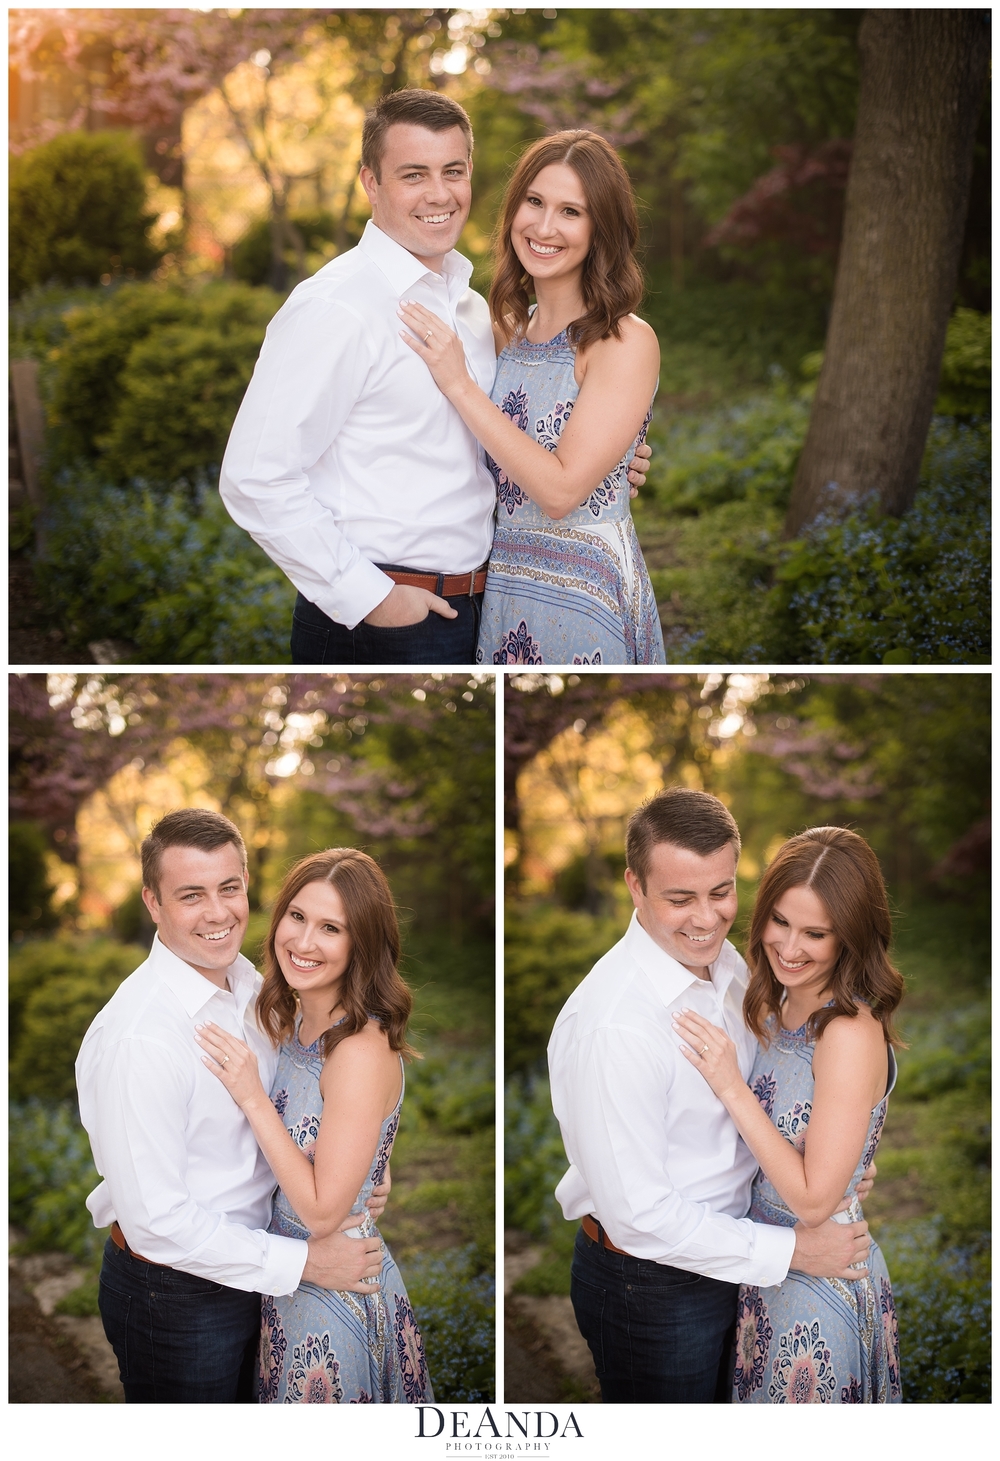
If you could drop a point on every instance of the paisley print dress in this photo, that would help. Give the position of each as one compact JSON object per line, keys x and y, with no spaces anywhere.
{"x":574,"y":591}
{"x":319,"y":1346}
{"x":813,"y":1341}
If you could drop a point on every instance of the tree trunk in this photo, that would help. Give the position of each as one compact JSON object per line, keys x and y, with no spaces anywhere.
{"x":922,"y":79}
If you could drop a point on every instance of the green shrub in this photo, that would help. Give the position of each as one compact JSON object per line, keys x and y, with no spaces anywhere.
{"x":453,"y":1090}
{"x":78,"y":211}
{"x":942,"y":1297}
{"x":868,"y":589}
{"x":30,"y":896}
{"x":548,"y":951}
{"x":534,"y":1158}
{"x":966,"y":369}
{"x":55,"y":989}
{"x":251,"y":258}
{"x":147,"y":381}
{"x":454,"y":1307}
{"x":180,"y":580}
{"x":909,"y":590}
{"x":51,"y":1175}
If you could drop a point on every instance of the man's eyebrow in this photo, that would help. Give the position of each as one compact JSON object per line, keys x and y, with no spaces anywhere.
{"x":426,"y":167}
{"x":692,"y":892}
{"x":201,"y":887}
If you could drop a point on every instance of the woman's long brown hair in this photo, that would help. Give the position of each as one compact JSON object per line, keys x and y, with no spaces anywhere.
{"x":612,"y":281}
{"x":843,"y":871}
{"x":371,"y":984}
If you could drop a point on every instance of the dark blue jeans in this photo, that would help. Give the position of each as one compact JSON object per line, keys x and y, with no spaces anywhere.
{"x":178,"y":1339}
{"x":319,"y":640}
{"x":659,"y":1335}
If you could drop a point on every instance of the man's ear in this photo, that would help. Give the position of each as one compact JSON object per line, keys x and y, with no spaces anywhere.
{"x":634,"y":886}
{"x":370,"y":184}
{"x":152,"y":904}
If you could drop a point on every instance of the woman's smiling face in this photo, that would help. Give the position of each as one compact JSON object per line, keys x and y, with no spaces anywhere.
{"x":312,"y":943}
{"x":800,"y":943}
{"x":552,"y":231}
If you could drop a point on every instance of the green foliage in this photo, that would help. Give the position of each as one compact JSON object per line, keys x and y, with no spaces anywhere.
{"x":30,"y":896}
{"x":251,"y":258}
{"x":147,"y":381}
{"x":78,"y":211}
{"x":867,"y":589}
{"x":55,"y":990}
{"x":51,"y":1174}
{"x":942,"y":1297}
{"x":909,"y":590}
{"x":81,"y":1302}
{"x":966,"y":369}
{"x":548,"y":951}
{"x":181,"y":581}
{"x":453,"y":1090}
{"x":534,"y":1159}
{"x":454,"y":1305}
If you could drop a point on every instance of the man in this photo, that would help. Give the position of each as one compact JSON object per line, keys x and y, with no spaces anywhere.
{"x":346,"y":463}
{"x":658,"y":1172}
{"x":186,"y":1190}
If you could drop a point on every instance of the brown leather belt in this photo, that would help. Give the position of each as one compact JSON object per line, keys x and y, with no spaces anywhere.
{"x":118,"y":1238}
{"x":596,"y":1234}
{"x":445,"y":585}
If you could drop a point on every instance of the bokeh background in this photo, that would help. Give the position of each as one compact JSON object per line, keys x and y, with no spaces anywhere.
{"x":175,"y":173}
{"x":402,"y":766}
{"x":904,"y":760}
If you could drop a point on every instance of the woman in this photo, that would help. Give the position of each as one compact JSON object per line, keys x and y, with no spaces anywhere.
{"x":334,"y":1002}
{"x":820,"y":1000}
{"x":575,"y":382}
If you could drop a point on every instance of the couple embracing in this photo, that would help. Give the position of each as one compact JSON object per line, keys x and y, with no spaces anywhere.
{"x":243,"y":1128}
{"x":720,"y":1118}
{"x":447,"y":481}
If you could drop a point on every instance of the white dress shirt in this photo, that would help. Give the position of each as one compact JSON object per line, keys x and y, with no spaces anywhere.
{"x":654,"y":1154}
{"x":344,"y":452}
{"x":183,"y":1173}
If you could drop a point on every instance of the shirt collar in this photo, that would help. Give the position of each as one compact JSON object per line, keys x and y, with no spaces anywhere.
{"x":403,"y":269}
{"x":670,"y":978}
{"x":192,"y":989}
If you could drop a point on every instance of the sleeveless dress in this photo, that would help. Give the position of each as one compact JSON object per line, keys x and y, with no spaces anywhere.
{"x":320,"y":1346}
{"x":813,"y":1341}
{"x":574,"y":591}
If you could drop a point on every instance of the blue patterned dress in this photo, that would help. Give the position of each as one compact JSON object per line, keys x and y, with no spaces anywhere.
{"x":813,"y":1341}
{"x":574,"y":591}
{"x":320,"y":1346}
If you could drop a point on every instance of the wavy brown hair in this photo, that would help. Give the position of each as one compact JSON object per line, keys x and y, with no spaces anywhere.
{"x":843,"y":871}
{"x":371,"y":984}
{"x":612,"y":281}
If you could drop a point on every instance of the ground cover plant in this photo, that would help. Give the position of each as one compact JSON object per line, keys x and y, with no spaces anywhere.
{"x":142,"y":381}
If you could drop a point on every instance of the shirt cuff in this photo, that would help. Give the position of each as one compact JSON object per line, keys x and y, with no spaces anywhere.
{"x":355,"y":593}
{"x":772,"y":1255}
{"x":283,"y":1264}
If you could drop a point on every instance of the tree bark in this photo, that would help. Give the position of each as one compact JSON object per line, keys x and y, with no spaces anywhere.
{"x":922,"y":79}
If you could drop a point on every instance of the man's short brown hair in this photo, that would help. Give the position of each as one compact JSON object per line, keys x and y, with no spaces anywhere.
{"x":419,"y":108}
{"x":190,"y":827}
{"x":693,"y":820}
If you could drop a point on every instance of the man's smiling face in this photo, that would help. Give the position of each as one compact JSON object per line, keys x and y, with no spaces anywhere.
{"x":424,"y":190}
{"x":201,"y":913}
{"x":689,"y":902}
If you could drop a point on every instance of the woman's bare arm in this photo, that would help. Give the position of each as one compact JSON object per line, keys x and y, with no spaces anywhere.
{"x":849,"y":1063}
{"x":609,"y":410}
{"x":356,"y":1085}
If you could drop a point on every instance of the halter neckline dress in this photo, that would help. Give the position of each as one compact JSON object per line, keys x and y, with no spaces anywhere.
{"x":321,"y":1346}
{"x":574,"y":591}
{"x":813,"y":1341}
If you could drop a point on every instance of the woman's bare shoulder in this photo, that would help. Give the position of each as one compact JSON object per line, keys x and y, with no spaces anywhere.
{"x":858,"y":1034}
